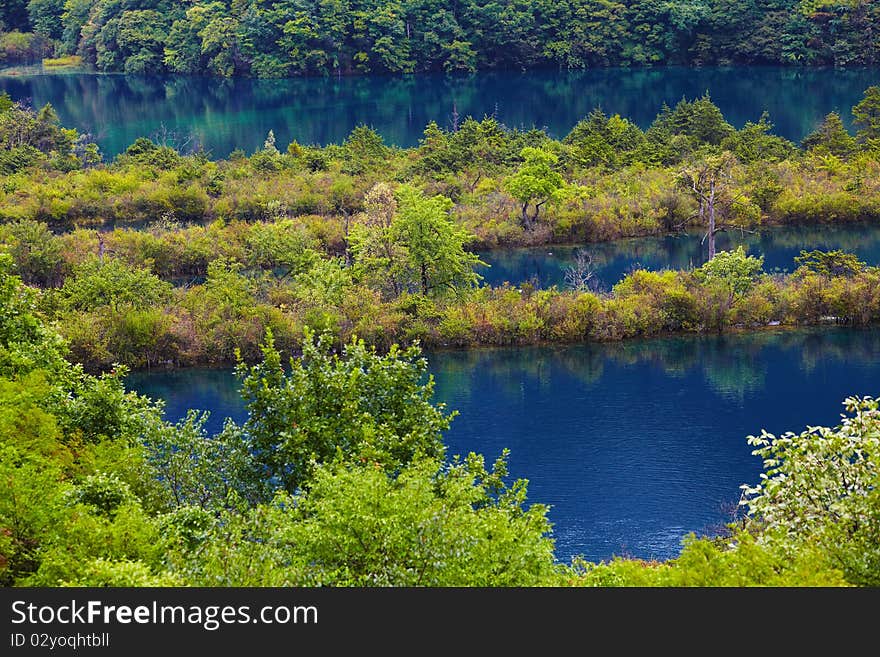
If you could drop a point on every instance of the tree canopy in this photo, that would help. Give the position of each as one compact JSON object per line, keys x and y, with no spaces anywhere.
{"x":283,"y":37}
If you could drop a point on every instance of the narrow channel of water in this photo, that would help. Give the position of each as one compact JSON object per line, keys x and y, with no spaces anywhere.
{"x":611,"y":261}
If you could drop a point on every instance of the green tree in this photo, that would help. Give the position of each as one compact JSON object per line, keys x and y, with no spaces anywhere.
{"x":74,"y":17}
{"x":284,"y":245}
{"x":602,"y":140}
{"x":536,"y":182}
{"x":866,"y":115}
{"x":700,"y":120}
{"x":754,"y":143}
{"x":734,"y":269}
{"x":379,"y":259}
{"x":45,"y":17}
{"x":821,"y":486}
{"x":138,"y":39}
{"x":112,"y":283}
{"x":25,"y":342}
{"x":195,"y":470}
{"x":433,"y":244}
{"x":831,"y":137}
{"x":357,"y":525}
{"x":418,"y":247}
{"x":35,"y":250}
{"x":358,"y":404}
{"x":73,"y":486}
{"x":829,"y":263}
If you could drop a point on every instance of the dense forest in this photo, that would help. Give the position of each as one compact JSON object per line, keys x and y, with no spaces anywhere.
{"x":278,"y":38}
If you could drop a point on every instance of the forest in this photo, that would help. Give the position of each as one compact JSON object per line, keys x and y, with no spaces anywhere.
{"x":280,"y":38}
{"x":320,"y":273}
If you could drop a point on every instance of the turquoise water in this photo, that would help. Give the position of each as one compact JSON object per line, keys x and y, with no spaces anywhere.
{"x":546,"y":265}
{"x":222,"y":114}
{"x":632,"y":444}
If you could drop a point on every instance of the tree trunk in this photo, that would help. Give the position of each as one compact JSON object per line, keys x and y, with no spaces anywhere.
{"x":712,"y":220}
{"x":526,"y":219}
{"x":348,"y":260}
{"x":425,"y":279}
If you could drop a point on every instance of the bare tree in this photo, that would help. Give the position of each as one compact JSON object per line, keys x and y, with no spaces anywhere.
{"x":709,"y":180}
{"x":455,"y":119}
{"x":183,"y":143}
{"x":581,"y":274}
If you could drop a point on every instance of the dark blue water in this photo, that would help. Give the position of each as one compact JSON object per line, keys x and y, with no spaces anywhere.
{"x":611,"y":261}
{"x":222,"y":114}
{"x":632,"y":444}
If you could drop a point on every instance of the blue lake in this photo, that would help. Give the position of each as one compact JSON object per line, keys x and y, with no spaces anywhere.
{"x":225,"y":114}
{"x":632,"y":444}
{"x":546,"y":265}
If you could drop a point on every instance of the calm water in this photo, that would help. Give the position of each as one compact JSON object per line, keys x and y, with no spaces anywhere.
{"x":546,"y":265}
{"x":226,"y":114}
{"x":633,"y":444}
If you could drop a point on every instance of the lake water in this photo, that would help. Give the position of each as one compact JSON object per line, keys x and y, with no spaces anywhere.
{"x":223,"y":114}
{"x":632,"y":444}
{"x":611,"y":261}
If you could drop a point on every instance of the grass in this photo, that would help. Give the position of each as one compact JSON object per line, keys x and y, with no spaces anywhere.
{"x":58,"y":62}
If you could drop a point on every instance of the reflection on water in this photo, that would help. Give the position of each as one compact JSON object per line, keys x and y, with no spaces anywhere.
{"x":633,"y":444}
{"x":546,"y":265}
{"x":224,"y":114}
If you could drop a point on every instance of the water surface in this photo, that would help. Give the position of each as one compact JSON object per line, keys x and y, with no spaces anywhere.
{"x":611,"y":261}
{"x":225,"y":114}
{"x":632,"y":444}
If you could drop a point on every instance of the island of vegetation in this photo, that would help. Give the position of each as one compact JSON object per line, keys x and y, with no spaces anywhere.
{"x":165,"y":258}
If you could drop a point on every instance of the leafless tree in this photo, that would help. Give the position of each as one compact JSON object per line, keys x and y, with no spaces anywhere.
{"x":580,"y":276}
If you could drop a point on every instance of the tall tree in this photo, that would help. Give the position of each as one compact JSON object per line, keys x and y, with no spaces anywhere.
{"x":357,"y":405}
{"x":866,"y":115}
{"x":535,"y":183}
{"x":708,"y":179}
{"x":831,"y":136}
{"x":420,"y":248}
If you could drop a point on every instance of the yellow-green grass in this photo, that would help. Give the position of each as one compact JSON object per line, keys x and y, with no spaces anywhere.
{"x":57,"y":62}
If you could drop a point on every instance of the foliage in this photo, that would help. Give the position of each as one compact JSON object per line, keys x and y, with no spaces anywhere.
{"x":418,"y":247}
{"x":866,"y":115}
{"x":743,"y":561}
{"x":431,"y":525}
{"x":821,"y":486}
{"x":831,"y":137}
{"x":29,"y":137}
{"x":535,"y":182}
{"x":112,"y":283}
{"x":25,"y":342}
{"x":829,"y":263}
{"x":37,"y":255}
{"x":279,"y":38}
{"x":602,"y":140}
{"x":734,"y":269}
{"x":360,"y":404}
{"x":98,"y":490}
